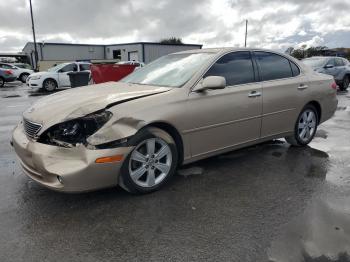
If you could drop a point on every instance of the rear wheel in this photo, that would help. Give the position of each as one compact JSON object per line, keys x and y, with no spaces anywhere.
{"x":305,"y":127}
{"x":151,"y":163}
{"x":23,"y":77}
{"x":2,"y":81}
{"x":345,"y":83}
{"x":49,"y":85}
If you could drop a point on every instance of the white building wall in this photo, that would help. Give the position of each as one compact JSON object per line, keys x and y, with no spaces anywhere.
{"x":124,"y":51}
{"x":66,"y":52}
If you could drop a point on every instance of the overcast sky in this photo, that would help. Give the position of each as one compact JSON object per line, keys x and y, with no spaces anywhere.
{"x":272,"y":24}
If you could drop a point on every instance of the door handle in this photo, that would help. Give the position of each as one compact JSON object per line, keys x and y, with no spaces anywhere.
{"x":302,"y":86}
{"x":254,"y":94}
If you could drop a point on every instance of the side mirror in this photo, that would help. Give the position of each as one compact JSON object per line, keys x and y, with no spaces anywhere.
{"x":211,"y":82}
{"x":328,"y":66}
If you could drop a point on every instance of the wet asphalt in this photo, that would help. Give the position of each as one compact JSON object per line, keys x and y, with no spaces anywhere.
{"x":269,"y":202}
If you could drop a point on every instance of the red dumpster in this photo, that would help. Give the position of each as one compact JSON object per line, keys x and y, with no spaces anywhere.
{"x":110,"y":72}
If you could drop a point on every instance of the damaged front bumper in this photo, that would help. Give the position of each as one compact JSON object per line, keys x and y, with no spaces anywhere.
{"x":67,"y":169}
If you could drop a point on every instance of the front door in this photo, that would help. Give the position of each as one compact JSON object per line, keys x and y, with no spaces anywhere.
{"x":227,"y":117}
{"x":63,"y":77}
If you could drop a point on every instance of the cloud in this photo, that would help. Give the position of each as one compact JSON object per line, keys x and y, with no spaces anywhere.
{"x":272,"y":23}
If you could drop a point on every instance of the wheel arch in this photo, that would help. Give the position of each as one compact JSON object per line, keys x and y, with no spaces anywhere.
{"x":174,"y":133}
{"x":23,"y":73}
{"x":318,"y":108}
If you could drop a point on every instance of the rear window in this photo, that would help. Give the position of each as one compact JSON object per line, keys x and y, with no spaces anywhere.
{"x":273,"y":66}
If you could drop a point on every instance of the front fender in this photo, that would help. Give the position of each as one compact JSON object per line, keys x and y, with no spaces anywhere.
{"x":119,"y":129}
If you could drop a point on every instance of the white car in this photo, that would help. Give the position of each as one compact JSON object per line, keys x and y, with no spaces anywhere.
{"x":136,"y":63}
{"x":20,"y":73}
{"x":56,"y":76}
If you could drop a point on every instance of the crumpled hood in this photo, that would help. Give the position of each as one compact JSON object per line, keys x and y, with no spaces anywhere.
{"x":81,"y":101}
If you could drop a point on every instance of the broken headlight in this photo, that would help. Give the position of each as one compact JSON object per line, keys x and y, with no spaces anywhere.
{"x":75,"y":131}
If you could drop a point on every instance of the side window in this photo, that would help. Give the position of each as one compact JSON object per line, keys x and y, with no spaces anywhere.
{"x":5,"y":66}
{"x":339,"y":62}
{"x":273,"y":66}
{"x":84,"y":67}
{"x":236,"y":67}
{"x":331,"y":62}
{"x":295,"y":69}
{"x":69,"y":68}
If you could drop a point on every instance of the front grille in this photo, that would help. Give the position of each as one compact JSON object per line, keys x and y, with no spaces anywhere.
{"x":31,"y":128}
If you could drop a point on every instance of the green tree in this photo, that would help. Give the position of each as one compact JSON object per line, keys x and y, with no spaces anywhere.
{"x":171,"y":40}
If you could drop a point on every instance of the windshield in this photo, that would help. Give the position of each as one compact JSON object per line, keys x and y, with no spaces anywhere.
{"x":315,"y":62}
{"x":172,"y":70}
{"x":57,"y":67}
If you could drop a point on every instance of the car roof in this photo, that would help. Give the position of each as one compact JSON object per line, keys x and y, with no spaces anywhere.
{"x":224,"y":50}
{"x":318,"y":57}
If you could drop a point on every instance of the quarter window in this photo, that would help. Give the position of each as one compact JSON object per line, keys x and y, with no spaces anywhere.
{"x":237,"y":68}
{"x":273,"y":66}
{"x":295,"y":69}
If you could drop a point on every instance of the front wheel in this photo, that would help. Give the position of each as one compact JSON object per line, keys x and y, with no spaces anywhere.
{"x":49,"y":85}
{"x":151,"y":163}
{"x":23,"y":77}
{"x":305,"y":127}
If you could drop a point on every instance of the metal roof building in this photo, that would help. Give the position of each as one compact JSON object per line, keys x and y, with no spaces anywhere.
{"x":138,"y":51}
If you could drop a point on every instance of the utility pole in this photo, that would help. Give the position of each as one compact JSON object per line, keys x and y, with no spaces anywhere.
{"x":33,"y":28}
{"x":246,"y":33}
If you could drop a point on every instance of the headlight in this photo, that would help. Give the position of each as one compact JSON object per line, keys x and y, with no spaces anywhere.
{"x":35,"y":77}
{"x":75,"y":131}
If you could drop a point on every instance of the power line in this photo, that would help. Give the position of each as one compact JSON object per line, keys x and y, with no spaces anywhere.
{"x":246,"y":33}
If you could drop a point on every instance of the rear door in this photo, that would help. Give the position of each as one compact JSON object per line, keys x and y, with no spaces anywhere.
{"x":231,"y":116}
{"x":282,"y":88}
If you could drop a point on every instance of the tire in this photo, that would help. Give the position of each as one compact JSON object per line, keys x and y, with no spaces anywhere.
{"x":142,"y":171}
{"x":49,"y":85}
{"x":23,"y":77}
{"x":344,"y":84}
{"x":2,"y":81}
{"x":305,"y":127}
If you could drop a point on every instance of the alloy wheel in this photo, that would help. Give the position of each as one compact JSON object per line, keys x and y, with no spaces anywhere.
{"x":2,"y":82}
{"x":307,"y":125}
{"x":150,"y":162}
{"x":49,"y":85}
{"x":24,"y":78}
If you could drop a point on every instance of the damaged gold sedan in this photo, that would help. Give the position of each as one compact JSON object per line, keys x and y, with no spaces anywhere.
{"x":181,"y":108}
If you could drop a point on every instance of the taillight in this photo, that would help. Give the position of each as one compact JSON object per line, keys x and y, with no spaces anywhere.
{"x":334,"y":86}
{"x":8,"y":72}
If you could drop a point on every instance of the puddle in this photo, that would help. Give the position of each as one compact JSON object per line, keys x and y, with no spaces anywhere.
{"x":321,"y":233}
